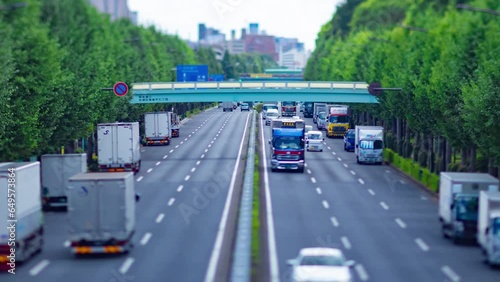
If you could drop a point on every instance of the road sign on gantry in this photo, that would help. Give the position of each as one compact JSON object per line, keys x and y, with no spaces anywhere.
{"x":120,"y":89}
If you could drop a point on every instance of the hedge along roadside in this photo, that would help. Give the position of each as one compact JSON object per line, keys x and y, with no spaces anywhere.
{"x":255,"y":217}
{"x":412,"y":169}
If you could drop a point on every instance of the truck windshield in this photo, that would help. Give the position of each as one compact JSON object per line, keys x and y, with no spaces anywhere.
{"x":315,"y":136}
{"x":495,"y":227}
{"x":267,"y":107}
{"x":338,"y":119}
{"x":287,"y":143}
{"x":371,"y":144}
{"x":288,"y":104}
{"x":466,"y":208}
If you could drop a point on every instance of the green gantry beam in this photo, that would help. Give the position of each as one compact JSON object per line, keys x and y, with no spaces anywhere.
{"x":306,"y":91}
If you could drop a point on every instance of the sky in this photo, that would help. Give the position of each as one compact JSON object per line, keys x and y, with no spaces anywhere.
{"x":283,"y":18}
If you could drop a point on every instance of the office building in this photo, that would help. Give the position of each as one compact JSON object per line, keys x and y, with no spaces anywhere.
{"x":115,"y":8}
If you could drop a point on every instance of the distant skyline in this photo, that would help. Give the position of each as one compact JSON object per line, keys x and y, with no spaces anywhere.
{"x":293,"y":18}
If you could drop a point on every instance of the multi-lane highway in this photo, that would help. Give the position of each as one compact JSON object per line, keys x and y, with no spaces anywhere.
{"x":183,"y":188}
{"x":377,"y":216}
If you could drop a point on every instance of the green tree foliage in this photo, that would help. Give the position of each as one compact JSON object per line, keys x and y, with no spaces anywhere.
{"x":445,"y":60}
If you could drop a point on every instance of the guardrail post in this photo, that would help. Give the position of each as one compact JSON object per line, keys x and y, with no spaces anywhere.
{"x":242,"y":253}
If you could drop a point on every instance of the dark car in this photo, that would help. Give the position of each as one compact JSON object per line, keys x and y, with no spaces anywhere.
{"x":349,"y":140}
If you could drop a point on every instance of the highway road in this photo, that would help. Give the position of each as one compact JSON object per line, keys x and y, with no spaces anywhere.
{"x":183,"y":188}
{"x":376,"y":215}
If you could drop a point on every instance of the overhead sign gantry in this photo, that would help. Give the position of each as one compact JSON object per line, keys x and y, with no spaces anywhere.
{"x":307,"y":91}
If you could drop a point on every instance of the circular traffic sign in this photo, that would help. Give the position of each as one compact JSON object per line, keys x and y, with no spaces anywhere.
{"x":120,"y":89}
{"x":374,"y":88}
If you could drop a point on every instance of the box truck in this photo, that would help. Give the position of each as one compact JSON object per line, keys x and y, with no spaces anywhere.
{"x":118,"y":147}
{"x":488,"y":225}
{"x":56,"y":170}
{"x":158,"y":128}
{"x":21,"y":217}
{"x":227,"y":106}
{"x":101,"y":212}
{"x":369,"y":144}
{"x":458,"y":202}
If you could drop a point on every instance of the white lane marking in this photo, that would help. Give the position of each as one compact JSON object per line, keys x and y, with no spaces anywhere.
{"x":339,"y":159}
{"x":198,"y":162}
{"x":214,"y":257}
{"x":67,"y":244}
{"x":305,"y":164}
{"x":158,"y":163}
{"x":146,"y":238}
{"x":352,"y":172}
{"x":361,"y":272}
{"x":177,"y":146}
{"x":309,"y":171}
{"x":190,"y":135}
{"x":164,"y":157}
{"x":193,"y":169}
{"x":187,"y":177}
{"x":333,"y":153}
{"x":159,"y":218}
{"x":271,"y":239}
{"x":371,"y":192}
{"x":334,"y":221}
{"x":423,"y":198}
{"x":346,"y":242}
{"x":126,"y":265}
{"x":212,"y":142}
{"x":202,"y":156}
{"x":140,"y":178}
{"x":329,"y":148}
{"x":182,"y":142}
{"x":400,"y":222}
{"x":206,"y":150}
{"x":185,"y":139}
{"x":387,"y":171}
{"x":171,"y":151}
{"x":39,"y":267}
{"x":422,"y":244}
{"x":318,"y":190}
{"x":192,"y":132}
{"x":384,"y":205}
{"x":450,"y":273}
{"x":345,"y":165}
{"x":180,"y":188}
{"x":209,"y":145}
{"x":216,"y":135}
{"x":313,"y":180}
{"x":361,"y":181}
{"x":325,"y":204}
{"x":149,"y":170}
{"x":171,"y":202}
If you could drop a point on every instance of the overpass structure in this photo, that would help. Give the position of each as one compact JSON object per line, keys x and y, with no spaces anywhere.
{"x":306,"y":91}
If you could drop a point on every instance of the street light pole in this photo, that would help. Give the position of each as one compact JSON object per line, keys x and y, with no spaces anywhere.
{"x":470,"y":8}
{"x":13,"y":6}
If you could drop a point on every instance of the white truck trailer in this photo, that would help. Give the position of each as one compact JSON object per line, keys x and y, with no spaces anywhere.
{"x":459,"y":201}
{"x":21,"y":217}
{"x":158,"y":128}
{"x":101,"y":212}
{"x":369,"y":144}
{"x":227,"y":106}
{"x":56,"y":170}
{"x":488,"y":225}
{"x":119,"y":147}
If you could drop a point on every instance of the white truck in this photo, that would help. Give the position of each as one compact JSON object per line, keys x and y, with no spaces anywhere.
{"x":101,"y":212}
{"x":488,"y":226}
{"x":227,"y":106}
{"x":118,"y":147}
{"x":21,"y":217}
{"x":458,"y":202}
{"x":369,"y":144}
{"x":158,"y":128}
{"x":317,"y":108}
{"x":56,"y":170}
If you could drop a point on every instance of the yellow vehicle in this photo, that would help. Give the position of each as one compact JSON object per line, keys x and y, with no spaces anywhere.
{"x":338,"y":121}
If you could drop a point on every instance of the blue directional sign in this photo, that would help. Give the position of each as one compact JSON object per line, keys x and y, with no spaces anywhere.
{"x":192,"y":73}
{"x":120,"y":89}
{"x":216,"y":77}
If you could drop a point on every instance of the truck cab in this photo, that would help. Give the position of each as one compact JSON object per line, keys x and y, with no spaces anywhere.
{"x":338,"y":120}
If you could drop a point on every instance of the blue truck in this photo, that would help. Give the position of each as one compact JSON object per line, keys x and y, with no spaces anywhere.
{"x":287,"y":144}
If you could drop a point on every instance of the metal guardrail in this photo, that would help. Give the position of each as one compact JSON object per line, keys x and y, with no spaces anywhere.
{"x":242,"y":253}
{"x":250,"y":85}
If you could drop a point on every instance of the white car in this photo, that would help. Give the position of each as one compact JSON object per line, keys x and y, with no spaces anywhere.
{"x":244,"y":107}
{"x":321,"y":264}
{"x":271,"y":114}
{"x":314,"y":141}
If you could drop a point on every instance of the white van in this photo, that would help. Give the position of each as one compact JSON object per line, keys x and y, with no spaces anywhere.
{"x":314,"y":141}
{"x":270,"y":114}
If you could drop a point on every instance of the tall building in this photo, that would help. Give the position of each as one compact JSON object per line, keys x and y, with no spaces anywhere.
{"x":254,"y":28}
{"x":115,"y":8}
{"x":202,"y":31}
{"x":263,"y":44}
